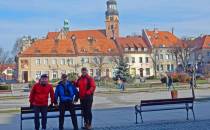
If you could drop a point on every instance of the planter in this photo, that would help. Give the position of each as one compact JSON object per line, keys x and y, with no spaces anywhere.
{"x":174,"y":94}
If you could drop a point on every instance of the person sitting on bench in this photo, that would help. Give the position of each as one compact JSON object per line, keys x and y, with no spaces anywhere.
{"x":66,"y":92}
{"x":39,"y":100}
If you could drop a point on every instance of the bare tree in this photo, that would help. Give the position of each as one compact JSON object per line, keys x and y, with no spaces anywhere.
{"x":3,"y":56}
{"x":99,"y":63}
{"x":154,"y":56}
{"x":182,"y":53}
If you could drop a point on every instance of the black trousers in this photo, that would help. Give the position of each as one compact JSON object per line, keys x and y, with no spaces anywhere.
{"x":69,"y":106}
{"x":43,"y":111}
{"x":87,"y":109}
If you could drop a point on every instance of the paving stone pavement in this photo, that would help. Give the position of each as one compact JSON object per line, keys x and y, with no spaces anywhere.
{"x":124,"y":119}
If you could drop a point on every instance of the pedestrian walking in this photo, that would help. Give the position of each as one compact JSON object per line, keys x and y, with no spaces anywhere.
{"x":86,"y":85}
{"x":39,"y":100}
{"x":169,"y":82}
{"x":67,"y":95}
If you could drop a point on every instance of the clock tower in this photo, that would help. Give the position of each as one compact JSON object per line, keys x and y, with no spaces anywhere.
{"x":112,"y":20}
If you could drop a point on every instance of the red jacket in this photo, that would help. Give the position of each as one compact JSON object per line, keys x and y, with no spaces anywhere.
{"x":39,"y":95}
{"x":82,"y":84}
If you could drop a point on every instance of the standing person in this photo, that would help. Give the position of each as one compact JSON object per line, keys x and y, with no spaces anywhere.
{"x":119,"y":83}
{"x":68,"y":95}
{"x":86,"y":85}
{"x":169,"y":81}
{"x":39,"y":100}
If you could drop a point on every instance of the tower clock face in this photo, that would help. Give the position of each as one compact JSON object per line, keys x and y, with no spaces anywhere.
{"x":113,"y":7}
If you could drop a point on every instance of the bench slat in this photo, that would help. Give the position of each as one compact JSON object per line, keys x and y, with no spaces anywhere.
{"x":50,"y":116}
{"x":166,"y":101}
{"x":27,"y":110}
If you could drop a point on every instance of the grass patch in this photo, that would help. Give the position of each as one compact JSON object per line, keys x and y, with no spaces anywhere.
{"x":201,"y":81}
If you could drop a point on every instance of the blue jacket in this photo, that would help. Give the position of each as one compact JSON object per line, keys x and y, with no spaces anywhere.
{"x":59,"y":92}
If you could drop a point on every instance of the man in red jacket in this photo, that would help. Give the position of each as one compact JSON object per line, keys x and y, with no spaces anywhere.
{"x":86,"y":85}
{"x":39,"y":100}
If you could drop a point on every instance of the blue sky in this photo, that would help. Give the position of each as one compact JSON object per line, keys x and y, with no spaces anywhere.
{"x":37,"y":17}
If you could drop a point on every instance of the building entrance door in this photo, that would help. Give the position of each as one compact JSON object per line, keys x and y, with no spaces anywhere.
{"x":141,"y":72}
{"x":25,"y":76}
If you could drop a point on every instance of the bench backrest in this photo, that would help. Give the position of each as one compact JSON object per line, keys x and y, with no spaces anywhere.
{"x":27,"y":110}
{"x":166,"y":101}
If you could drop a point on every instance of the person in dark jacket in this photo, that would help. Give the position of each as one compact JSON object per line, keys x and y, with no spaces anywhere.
{"x":86,"y":85}
{"x":39,"y":100}
{"x":68,"y":95}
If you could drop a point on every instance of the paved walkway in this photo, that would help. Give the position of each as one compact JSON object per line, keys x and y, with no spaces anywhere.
{"x":123,"y":119}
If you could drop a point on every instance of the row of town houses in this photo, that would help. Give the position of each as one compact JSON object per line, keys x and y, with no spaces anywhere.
{"x":152,"y":53}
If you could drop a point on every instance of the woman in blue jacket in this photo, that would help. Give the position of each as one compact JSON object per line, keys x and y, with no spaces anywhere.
{"x":67,"y":95}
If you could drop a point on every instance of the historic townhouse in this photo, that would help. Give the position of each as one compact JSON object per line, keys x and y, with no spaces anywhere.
{"x":162,"y":44}
{"x":201,"y":53}
{"x":137,"y":54}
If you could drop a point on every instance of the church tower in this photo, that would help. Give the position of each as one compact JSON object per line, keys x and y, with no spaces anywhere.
{"x":112,"y":20}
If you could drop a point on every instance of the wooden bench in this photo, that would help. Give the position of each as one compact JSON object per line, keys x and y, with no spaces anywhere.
{"x":172,"y":104}
{"x":30,"y":112}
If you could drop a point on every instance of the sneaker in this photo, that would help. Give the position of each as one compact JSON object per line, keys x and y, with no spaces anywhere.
{"x":89,"y":127}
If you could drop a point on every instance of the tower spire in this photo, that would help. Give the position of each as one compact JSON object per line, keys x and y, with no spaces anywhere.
{"x":112,"y":20}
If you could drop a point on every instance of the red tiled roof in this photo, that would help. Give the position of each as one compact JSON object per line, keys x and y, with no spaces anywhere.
{"x":50,"y":46}
{"x":5,"y":66}
{"x":126,"y":42}
{"x":162,"y":38}
{"x":87,"y":42}
{"x":202,"y":42}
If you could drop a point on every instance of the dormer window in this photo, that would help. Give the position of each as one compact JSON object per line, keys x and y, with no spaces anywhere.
{"x":132,"y":49}
{"x":91,"y":40}
{"x":83,"y":50}
{"x":109,"y":50}
{"x":145,"y":49}
{"x":162,"y":46}
{"x":126,"y":49}
{"x":96,"y":50}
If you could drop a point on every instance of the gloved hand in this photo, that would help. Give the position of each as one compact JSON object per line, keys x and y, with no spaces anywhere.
{"x":31,"y":105}
{"x":50,"y":106}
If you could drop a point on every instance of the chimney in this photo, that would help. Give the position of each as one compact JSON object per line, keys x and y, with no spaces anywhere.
{"x":172,"y":30}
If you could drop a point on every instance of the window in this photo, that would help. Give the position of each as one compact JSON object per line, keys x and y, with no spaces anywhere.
{"x":38,"y":74}
{"x":161,"y":67}
{"x":158,"y":68}
{"x":54,"y":61}
{"x":168,"y":68}
{"x":9,"y":71}
{"x":132,"y":49}
{"x":147,"y":60}
{"x":126,"y":49}
{"x":107,"y":72}
{"x":45,"y":61}
{"x":157,"y":57}
{"x":147,"y":71}
{"x":208,"y":54}
{"x":127,"y":59}
{"x":91,"y":72}
{"x":140,"y":60}
{"x":38,"y":61}
{"x":172,"y":67}
{"x":70,"y":61}
{"x":86,"y":60}
{"x":133,"y":60}
{"x":63,"y":61}
{"x":55,"y":75}
{"x":167,"y":57}
{"x":161,"y":56}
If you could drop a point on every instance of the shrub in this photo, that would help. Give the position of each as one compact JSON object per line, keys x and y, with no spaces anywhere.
{"x":5,"y":87}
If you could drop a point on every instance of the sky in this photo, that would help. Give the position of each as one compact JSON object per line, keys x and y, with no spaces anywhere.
{"x":37,"y":17}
